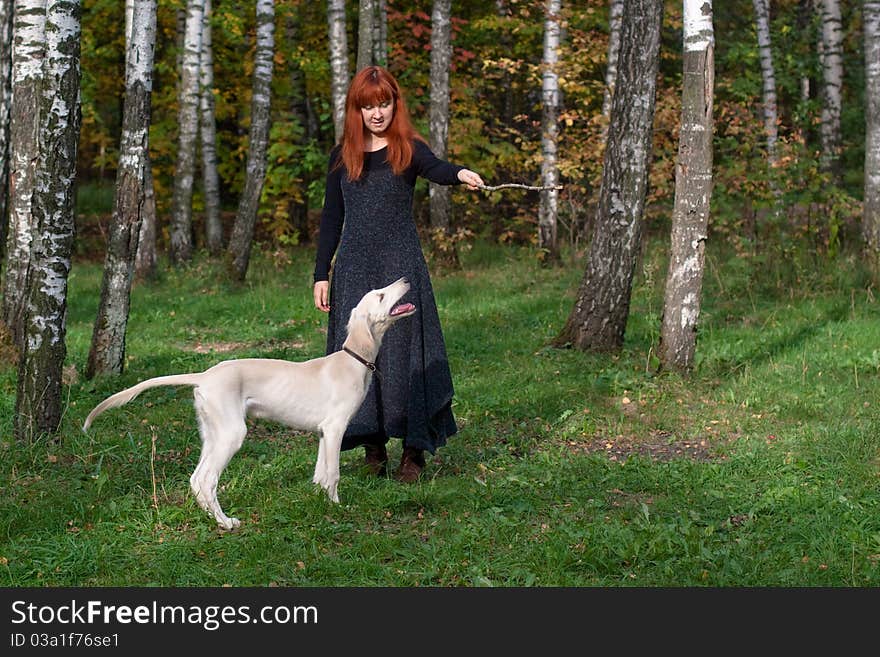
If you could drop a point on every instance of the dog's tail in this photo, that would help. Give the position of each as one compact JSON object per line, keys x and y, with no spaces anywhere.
{"x":125,"y":396}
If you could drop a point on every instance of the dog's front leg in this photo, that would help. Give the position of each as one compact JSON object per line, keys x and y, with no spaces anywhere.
{"x":327,"y":467}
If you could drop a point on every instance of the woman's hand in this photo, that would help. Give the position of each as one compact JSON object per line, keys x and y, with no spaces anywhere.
{"x":471,"y":179}
{"x":322,"y":290}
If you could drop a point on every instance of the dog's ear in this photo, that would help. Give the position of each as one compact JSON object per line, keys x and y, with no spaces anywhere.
{"x":360,"y":328}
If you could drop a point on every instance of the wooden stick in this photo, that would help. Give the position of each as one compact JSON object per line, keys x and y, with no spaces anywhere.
{"x":492,"y":188}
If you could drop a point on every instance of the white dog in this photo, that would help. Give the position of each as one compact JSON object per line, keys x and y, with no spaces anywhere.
{"x":319,"y":395}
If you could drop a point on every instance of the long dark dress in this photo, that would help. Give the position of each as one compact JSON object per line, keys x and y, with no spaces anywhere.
{"x":368,"y":224}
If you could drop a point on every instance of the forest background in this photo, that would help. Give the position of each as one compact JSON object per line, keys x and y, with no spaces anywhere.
{"x":572,"y":468}
{"x":495,"y":116}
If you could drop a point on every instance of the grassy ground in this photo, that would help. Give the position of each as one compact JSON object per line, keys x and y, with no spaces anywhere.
{"x":569,"y":469}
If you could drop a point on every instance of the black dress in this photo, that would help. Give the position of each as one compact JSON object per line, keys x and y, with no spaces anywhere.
{"x":368,"y":224}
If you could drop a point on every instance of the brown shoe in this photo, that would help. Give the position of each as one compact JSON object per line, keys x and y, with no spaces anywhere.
{"x":412,"y":462}
{"x":376,"y":460}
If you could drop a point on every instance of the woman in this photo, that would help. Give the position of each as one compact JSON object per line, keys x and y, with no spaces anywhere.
{"x":367,"y":223}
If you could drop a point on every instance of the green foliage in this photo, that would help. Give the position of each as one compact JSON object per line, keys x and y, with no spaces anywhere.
{"x":570,"y":469}
{"x":496,"y":116}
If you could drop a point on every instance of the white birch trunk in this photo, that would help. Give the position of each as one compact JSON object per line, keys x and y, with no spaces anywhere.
{"x":188,"y":125}
{"x":615,"y":11}
{"x":145,"y":258}
{"x":243,"y":231}
{"x":768,"y":94}
{"x":107,"y":351}
{"x":768,"y":76}
{"x":366,"y":23}
{"x":693,"y":191}
{"x":39,"y":395}
{"x":6,"y":15}
{"x":831,"y":51}
{"x":380,"y":34}
{"x":440,"y":196}
{"x":338,"y":62}
{"x":548,"y":208}
{"x":871,"y":210}
{"x":208,"y":130}
{"x":598,"y":319}
{"x":29,"y":44}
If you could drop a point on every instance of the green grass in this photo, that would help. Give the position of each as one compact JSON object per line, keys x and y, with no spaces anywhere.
{"x":564,"y":472}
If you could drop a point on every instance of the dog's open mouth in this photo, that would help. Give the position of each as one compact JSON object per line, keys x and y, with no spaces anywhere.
{"x":403,"y":309}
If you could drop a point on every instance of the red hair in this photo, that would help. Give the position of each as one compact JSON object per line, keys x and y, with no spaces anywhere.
{"x":373,"y":85}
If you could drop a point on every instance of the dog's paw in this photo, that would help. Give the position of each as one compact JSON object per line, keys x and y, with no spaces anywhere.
{"x":229,"y":523}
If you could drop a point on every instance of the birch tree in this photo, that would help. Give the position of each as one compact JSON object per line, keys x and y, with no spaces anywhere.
{"x":187,"y":123}
{"x":208,"y":132}
{"x":615,"y":13}
{"x":597,"y":321}
{"x":380,"y":34}
{"x":29,"y":45}
{"x":146,"y":259}
{"x":6,"y":15}
{"x":693,"y":190}
{"x":831,"y":56}
{"x":440,"y":196}
{"x":372,"y":33}
{"x":768,"y":77}
{"x":145,"y":256}
{"x":243,"y":231}
{"x":548,"y":208}
{"x":338,"y":42}
{"x":38,"y":404}
{"x":107,"y":351}
{"x":871,"y":209}
{"x":366,"y":22}
{"x":768,"y":94}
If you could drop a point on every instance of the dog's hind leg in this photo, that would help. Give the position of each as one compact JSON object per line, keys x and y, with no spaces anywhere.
{"x":222,"y":437}
{"x":319,"y":462}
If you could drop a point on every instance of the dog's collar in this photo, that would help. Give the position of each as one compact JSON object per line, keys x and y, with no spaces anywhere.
{"x":370,"y":366}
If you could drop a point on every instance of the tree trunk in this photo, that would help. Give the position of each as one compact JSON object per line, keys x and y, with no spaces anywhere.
{"x":188,"y":124}
{"x":6,"y":14}
{"x":693,"y":191}
{"x":29,"y":44}
{"x":380,"y":34}
{"x":38,"y":404}
{"x":208,"y":129}
{"x":768,"y":75}
{"x":243,"y":232}
{"x":145,"y":258}
{"x":831,"y":55}
{"x":440,"y":196}
{"x":598,"y":319}
{"x":615,"y":13}
{"x":769,"y":107}
{"x":367,"y":13}
{"x":145,"y":261}
{"x":338,"y":62}
{"x":871,"y":210}
{"x":107,"y":352}
{"x":548,"y":208}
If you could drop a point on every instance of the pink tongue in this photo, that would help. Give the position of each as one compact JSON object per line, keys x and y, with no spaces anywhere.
{"x":402,"y":308}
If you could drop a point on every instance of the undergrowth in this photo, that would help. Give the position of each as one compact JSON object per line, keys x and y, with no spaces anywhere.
{"x":569,"y":469}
